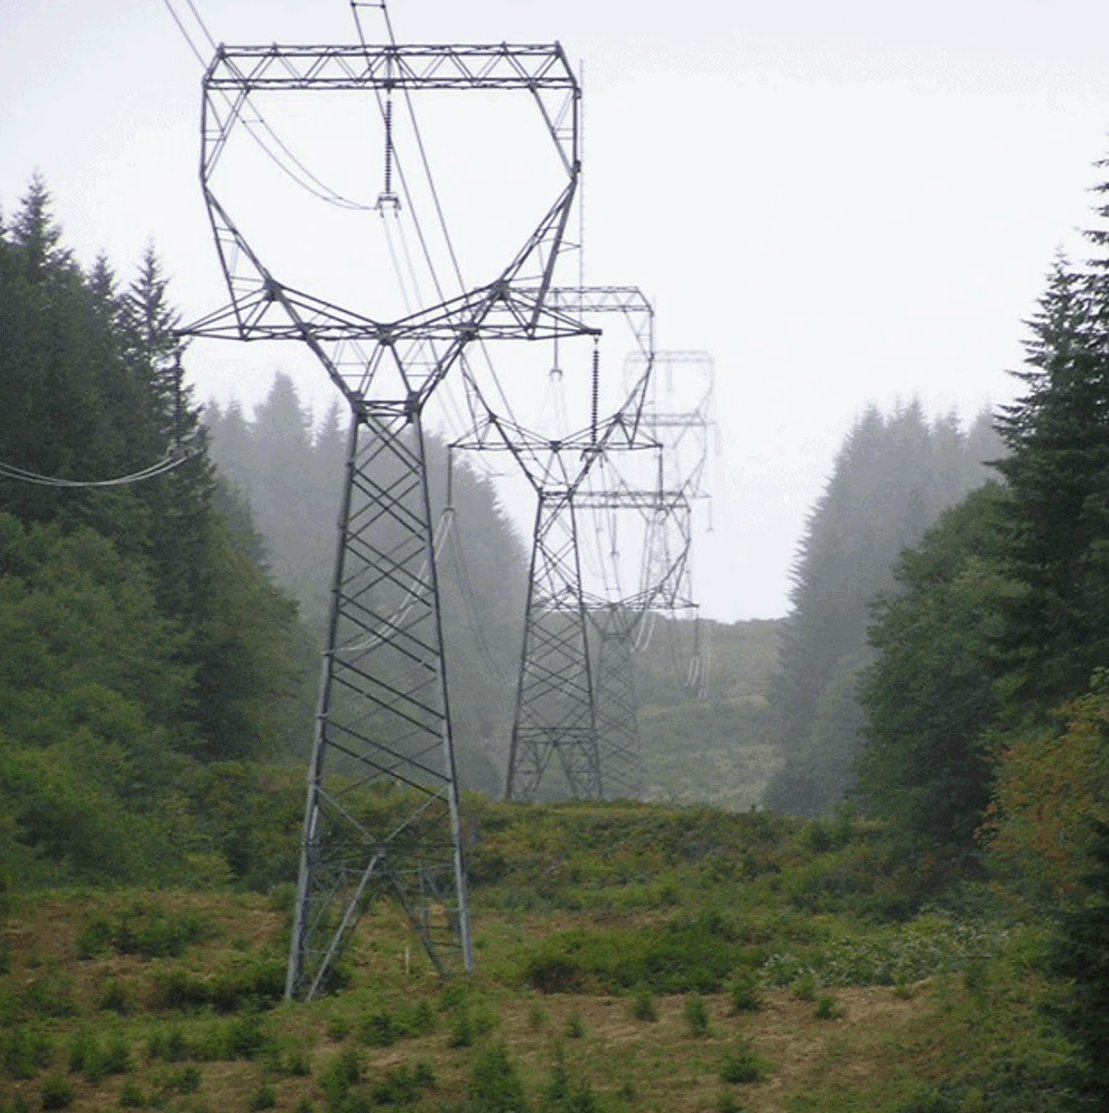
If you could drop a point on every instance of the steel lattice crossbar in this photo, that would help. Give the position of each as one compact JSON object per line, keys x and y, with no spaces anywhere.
{"x":354,"y":66}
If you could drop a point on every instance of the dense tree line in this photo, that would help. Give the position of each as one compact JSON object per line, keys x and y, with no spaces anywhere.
{"x":987,"y":707}
{"x":141,"y":642}
{"x":890,"y":481}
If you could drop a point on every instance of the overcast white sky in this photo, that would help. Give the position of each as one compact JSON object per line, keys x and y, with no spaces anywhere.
{"x":844,"y":203}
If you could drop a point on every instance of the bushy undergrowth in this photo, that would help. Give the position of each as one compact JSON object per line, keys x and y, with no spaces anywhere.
{"x":251,"y":983}
{"x":733,"y":918}
{"x":890,"y":955}
{"x":694,"y":954}
{"x":146,"y":929}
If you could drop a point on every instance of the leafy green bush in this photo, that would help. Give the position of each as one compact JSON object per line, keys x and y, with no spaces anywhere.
{"x":169,"y":1045}
{"x":804,"y":986}
{"x":682,"y":956}
{"x":50,"y":995}
{"x":383,"y":1028}
{"x":94,"y":938}
{"x":86,"y":1055}
{"x":115,"y":998}
{"x":909,"y":952}
{"x":247,"y":1037}
{"x":564,"y":1093}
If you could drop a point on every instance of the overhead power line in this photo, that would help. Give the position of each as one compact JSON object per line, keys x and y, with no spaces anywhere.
{"x":168,"y":463}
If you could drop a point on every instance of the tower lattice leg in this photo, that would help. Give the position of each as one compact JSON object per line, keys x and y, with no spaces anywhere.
{"x":382,"y":813}
{"x":555,"y":714}
{"x":621,"y":754}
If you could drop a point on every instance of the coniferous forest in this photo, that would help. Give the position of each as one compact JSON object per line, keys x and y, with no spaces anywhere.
{"x":874,"y":871}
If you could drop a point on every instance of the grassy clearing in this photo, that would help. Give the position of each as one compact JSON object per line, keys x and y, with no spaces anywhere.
{"x":630,"y":958}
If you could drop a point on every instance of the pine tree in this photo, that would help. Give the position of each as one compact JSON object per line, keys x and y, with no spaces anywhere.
{"x":1057,"y":629}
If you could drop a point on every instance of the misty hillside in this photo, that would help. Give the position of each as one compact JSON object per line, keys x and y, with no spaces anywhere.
{"x":702,"y":734}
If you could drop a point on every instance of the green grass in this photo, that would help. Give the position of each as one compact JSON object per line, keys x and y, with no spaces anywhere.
{"x":673,"y":960}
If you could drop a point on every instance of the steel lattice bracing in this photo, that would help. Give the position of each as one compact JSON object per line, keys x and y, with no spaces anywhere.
{"x":555,"y":712}
{"x":617,"y":706}
{"x":678,"y":414}
{"x":382,"y":814}
{"x":621,"y":621}
{"x":556,"y":716}
{"x":382,"y":807}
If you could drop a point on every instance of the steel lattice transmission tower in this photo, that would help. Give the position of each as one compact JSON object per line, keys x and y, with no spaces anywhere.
{"x":382,"y":811}
{"x":679,"y":414}
{"x":660,"y":499}
{"x":555,"y":718}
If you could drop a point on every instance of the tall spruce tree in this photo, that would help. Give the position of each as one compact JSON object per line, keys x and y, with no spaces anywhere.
{"x":91,"y":389}
{"x":1055,"y":634}
{"x":1056,"y":629}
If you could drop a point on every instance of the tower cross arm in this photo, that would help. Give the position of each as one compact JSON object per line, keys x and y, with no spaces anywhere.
{"x":354,"y":66}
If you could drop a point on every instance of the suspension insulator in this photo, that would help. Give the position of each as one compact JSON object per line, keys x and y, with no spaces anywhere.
{"x":596,"y":388}
{"x":387,"y":198}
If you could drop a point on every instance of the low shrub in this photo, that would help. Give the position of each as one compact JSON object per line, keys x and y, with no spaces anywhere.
{"x":131,"y":1095}
{"x":24,"y":1051}
{"x":402,"y":1085}
{"x":686,"y":955}
{"x":643,"y":1006}
{"x":343,"y":1072}
{"x":745,"y":992}
{"x":115,"y":998}
{"x":565,"y":1093}
{"x":263,"y":1097}
{"x":56,"y":1092}
{"x":254,"y":983}
{"x":495,"y":1085}
{"x":184,"y":1081}
{"x":696,"y":1015}
{"x":147,"y":930}
{"x":50,"y":995}
{"x":742,"y":1064}
{"x":384,"y":1028}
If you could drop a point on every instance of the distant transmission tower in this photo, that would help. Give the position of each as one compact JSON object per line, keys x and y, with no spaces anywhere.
{"x":382,"y":811}
{"x":678,"y":414}
{"x":555,"y":719}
